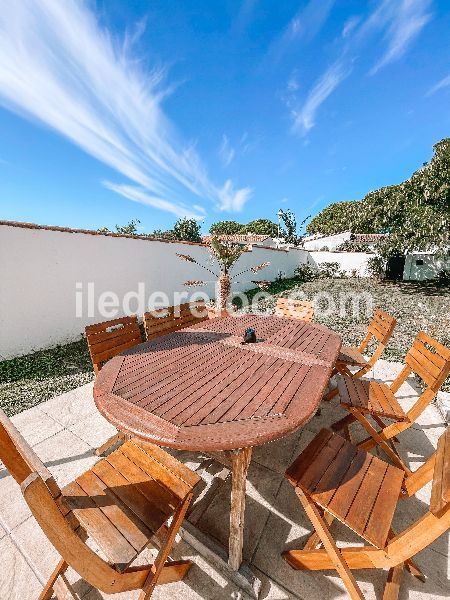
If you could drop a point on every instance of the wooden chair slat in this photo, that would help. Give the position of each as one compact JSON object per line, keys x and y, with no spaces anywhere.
{"x":100,"y":327}
{"x":110,"y":338}
{"x":118,"y":550}
{"x":432,"y":367}
{"x":440,"y":492}
{"x":173,"y":318}
{"x":121,"y":517}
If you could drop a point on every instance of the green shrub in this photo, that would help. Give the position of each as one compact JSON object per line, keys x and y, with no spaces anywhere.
{"x":443,"y":277}
{"x":330,"y":269}
{"x":376,"y":265}
{"x":351,"y":246}
{"x":305,"y":273}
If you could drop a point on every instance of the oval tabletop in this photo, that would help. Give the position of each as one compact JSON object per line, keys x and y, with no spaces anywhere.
{"x":200,"y":388}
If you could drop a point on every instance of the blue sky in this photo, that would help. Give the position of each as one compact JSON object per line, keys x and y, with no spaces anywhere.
{"x":115,"y":110}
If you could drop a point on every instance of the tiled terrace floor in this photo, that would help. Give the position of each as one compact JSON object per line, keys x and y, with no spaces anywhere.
{"x":65,"y":430}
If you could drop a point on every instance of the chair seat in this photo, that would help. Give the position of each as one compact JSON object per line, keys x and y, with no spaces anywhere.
{"x":351,"y":356}
{"x":370,"y":397}
{"x":355,"y":487}
{"x":125,"y":499}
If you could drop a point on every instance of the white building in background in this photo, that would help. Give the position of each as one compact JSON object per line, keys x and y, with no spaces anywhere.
{"x":329,"y":243}
{"x":420,"y":266}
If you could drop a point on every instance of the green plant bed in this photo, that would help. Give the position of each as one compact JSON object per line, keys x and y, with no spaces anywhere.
{"x":28,"y":380}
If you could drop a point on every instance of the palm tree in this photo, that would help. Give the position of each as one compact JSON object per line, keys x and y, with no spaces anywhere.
{"x":226,"y":255}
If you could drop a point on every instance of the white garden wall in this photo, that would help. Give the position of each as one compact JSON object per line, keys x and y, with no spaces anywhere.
{"x":350,"y":262}
{"x":43,"y":269}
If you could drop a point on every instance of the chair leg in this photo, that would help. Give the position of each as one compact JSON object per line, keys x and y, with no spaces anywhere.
{"x":47,"y":592}
{"x":329,"y":544}
{"x":394,"y":579}
{"x":314,"y":539}
{"x":412,"y":567}
{"x":380,"y":441}
{"x":158,"y":566}
{"x":107,"y":445}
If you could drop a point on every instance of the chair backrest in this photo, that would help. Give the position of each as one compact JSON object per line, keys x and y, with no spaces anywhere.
{"x":380,"y":327}
{"x":440,"y":492}
{"x":429,"y":359}
{"x":294,"y":309}
{"x":110,"y":338}
{"x":166,"y":320}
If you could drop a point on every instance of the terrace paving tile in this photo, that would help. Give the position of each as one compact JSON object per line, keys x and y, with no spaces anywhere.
{"x":262,"y":487}
{"x":35,"y":425}
{"x":93,"y":429}
{"x":277,"y":455}
{"x":13,"y":508}
{"x":71,"y":407}
{"x":17,"y":579}
{"x":34,"y":545}
{"x":66,"y":456}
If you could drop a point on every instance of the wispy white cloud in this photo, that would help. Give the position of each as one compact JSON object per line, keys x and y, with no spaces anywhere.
{"x":140,"y":195}
{"x":226,"y":151}
{"x":244,"y":15}
{"x":305,"y":24}
{"x":59,"y":68}
{"x":293,"y":84}
{"x":349,"y":26}
{"x":402,"y":21}
{"x":398,"y":21}
{"x":440,"y":85}
{"x":304,"y":117}
{"x":233,"y":200}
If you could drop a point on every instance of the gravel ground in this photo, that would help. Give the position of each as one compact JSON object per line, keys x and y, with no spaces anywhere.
{"x":29,"y":380}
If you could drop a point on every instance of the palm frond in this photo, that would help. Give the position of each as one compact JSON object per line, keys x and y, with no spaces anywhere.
{"x":186,"y":257}
{"x":194,"y":283}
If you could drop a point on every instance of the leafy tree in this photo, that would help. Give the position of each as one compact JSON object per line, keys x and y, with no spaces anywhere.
{"x":162,"y":235}
{"x":261,"y":227}
{"x":129,"y":229}
{"x":290,"y":233}
{"x":226,"y":228}
{"x":336,"y":218}
{"x":415,"y":213}
{"x":187,"y":230}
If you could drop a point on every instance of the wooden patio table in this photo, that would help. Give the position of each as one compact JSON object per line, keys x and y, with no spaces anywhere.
{"x":201,"y":389}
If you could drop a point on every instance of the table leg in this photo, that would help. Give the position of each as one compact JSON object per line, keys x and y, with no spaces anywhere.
{"x":240,"y":460}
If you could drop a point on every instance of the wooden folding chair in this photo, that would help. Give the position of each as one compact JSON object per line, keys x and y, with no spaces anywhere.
{"x":123,"y":504}
{"x":106,"y":340}
{"x":294,"y":309}
{"x":166,"y":320}
{"x":334,"y":479}
{"x":380,"y":329}
{"x":362,"y":398}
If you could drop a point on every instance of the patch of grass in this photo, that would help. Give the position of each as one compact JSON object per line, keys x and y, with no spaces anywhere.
{"x":416,"y":306}
{"x":28,"y":380}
